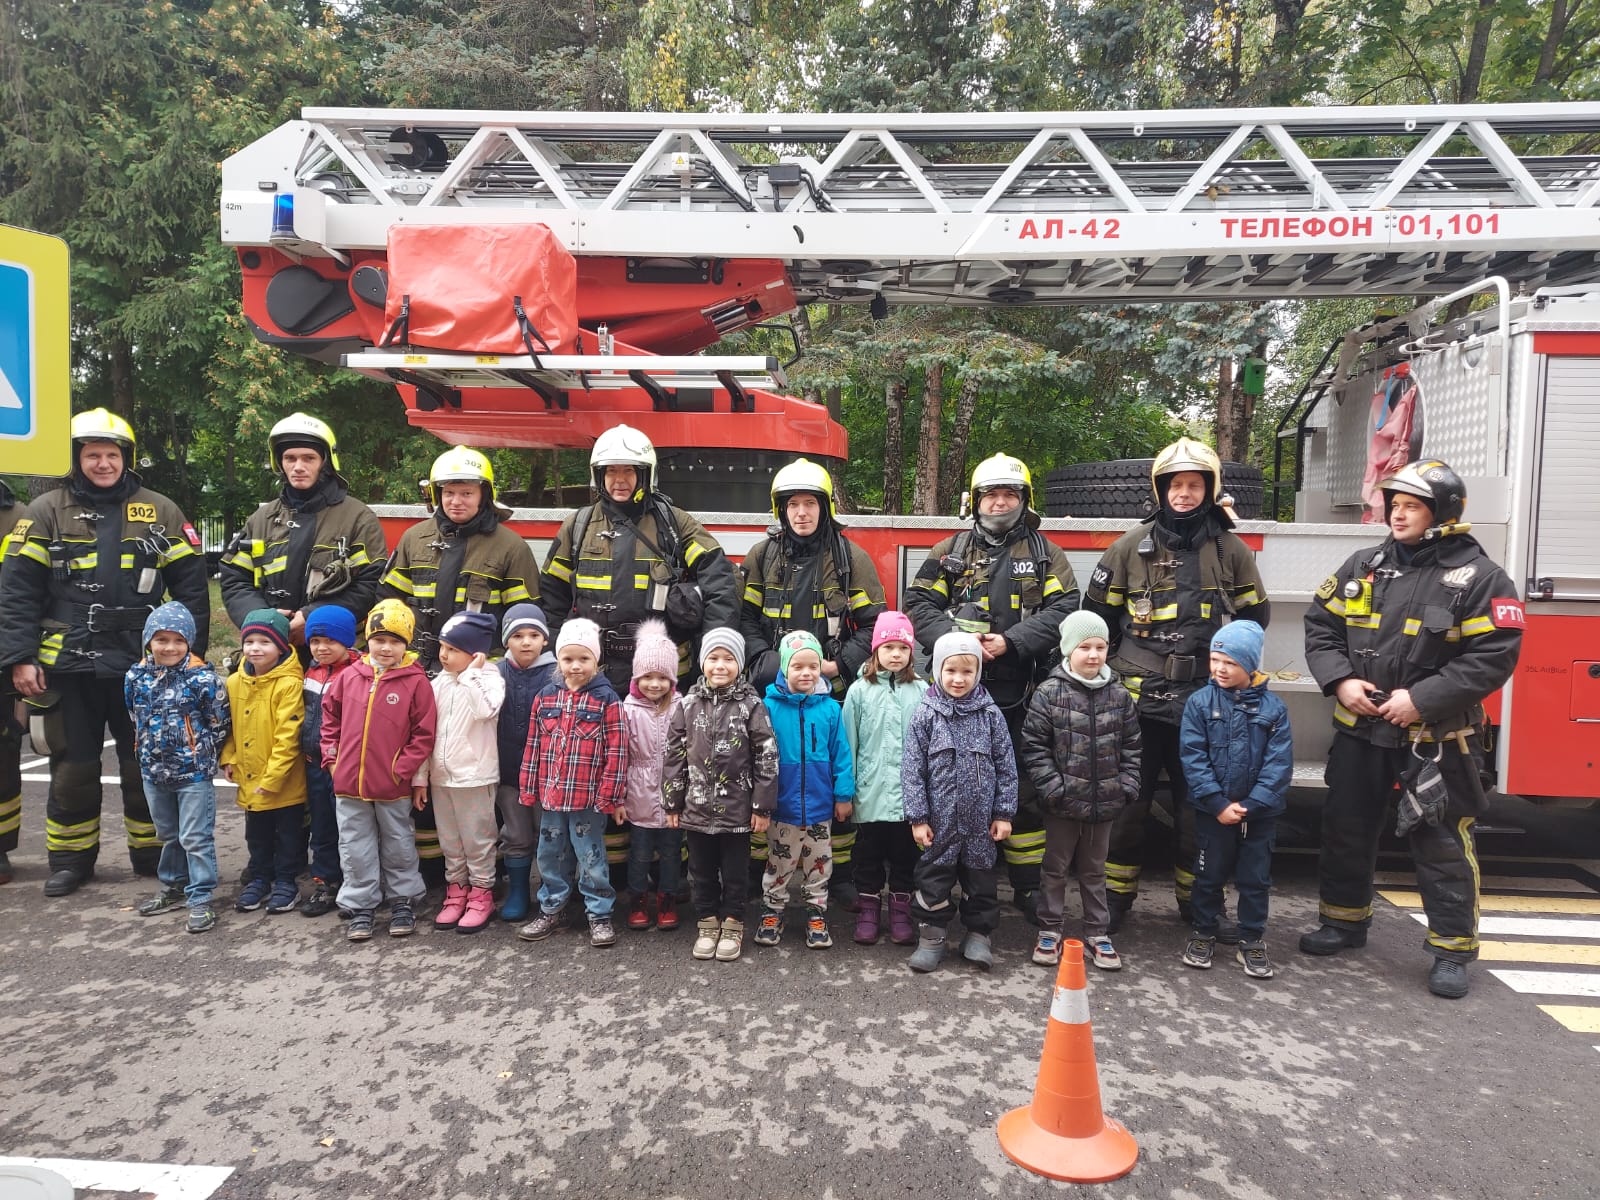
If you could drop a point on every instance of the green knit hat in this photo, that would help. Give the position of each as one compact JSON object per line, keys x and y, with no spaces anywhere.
{"x":791,"y":644}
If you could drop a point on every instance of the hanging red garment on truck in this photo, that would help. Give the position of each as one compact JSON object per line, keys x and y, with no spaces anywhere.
{"x":1394,"y":407}
{"x":481,"y":289}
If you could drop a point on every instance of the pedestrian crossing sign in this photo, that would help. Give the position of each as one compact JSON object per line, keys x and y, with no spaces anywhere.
{"x":35,"y":358}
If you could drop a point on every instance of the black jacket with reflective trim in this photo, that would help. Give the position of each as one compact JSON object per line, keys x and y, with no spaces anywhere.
{"x":248,"y":578}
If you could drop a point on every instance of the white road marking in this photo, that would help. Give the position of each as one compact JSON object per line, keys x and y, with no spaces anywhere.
{"x":1547,"y":927}
{"x":161,"y":1181}
{"x":1551,"y":983}
{"x":44,"y":777}
{"x":39,"y":762}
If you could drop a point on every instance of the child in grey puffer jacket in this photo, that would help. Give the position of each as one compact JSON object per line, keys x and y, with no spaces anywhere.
{"x":1080,"y":745}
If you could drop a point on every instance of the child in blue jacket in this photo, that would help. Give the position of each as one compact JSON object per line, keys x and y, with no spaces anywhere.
{"x":816,"y":786}
{"x":528,"y":668}
{"x":1238,"y":759}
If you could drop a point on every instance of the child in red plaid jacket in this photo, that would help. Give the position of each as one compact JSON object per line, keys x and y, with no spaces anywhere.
{"x":576,"y":770}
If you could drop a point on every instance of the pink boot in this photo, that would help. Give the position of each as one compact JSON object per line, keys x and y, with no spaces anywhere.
{"x":480,"y":910}
{"x":868,"y":916}
{"x":902,"y":930}
{"x":455,"y":903}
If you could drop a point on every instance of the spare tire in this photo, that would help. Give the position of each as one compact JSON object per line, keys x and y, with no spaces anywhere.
{"x":1121,"y":488}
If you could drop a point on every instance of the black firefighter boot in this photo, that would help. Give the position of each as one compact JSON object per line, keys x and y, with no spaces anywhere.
{"x":64,"y":881}
{"x":1330,"y":939}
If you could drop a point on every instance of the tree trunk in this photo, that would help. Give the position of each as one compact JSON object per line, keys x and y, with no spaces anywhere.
{"x":1560,"y":15}
{"x":894,"y":453}
{"x":122,"y":380}
{"x":801,"y":321}
{"x":953,"y":471}
{"x":1478,"y":54}
{"x":1227,"y":427}
{"x":835,"y":402}
{"x":925,"y":491}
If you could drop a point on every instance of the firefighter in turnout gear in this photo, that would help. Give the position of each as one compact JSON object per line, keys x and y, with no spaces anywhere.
{"x":1164,"y":588}
{"x":84,"y":567}
{"x":10,"y":728}
{"x":808,"y":576}
{"x":1003,"y":581}
{"x":314,"y":544}
{"x":1410,"y":637}
{"x":461,"y":560}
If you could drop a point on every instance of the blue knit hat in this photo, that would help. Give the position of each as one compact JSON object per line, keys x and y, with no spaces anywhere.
{"x":1241,"y":641}
{"x":332,"y":621}
{"x":471,"y":632}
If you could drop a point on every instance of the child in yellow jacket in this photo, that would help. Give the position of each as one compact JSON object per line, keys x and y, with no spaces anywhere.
{"x":262,"y":757}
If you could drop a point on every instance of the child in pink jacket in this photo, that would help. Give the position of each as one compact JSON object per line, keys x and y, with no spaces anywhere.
{"x":652,"y":698}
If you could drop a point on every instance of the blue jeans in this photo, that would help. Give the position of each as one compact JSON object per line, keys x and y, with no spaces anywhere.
{"x":1244,"y":852}
{"x":647,"y":844}
{"x":324,"y":827}
{"x":185,"y":816}
{"x":277,"y":842}
{"x":573,"y":843}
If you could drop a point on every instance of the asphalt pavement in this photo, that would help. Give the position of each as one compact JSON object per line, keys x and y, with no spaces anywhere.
{"x":453,"y":1067}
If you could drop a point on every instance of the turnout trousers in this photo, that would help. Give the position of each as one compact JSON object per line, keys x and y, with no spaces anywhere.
{"x":89,"y":706}
{"x":1363,"y":784}
{"x":1126,"y":855}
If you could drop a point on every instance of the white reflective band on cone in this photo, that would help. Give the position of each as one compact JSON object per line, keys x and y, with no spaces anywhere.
{"x":1070,"y":1007}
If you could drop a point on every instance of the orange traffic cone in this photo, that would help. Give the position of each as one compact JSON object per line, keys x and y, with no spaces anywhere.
{"x":1064,"y":1134}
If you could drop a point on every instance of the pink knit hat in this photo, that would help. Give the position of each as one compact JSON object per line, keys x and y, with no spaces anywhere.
{"x":893,"y":626}
{"x":653,"y":651}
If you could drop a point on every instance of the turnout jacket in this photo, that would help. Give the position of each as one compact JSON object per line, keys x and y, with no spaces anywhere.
{"x":721,"y":762}
{"x":786,"y":590}
{"x":263,"y":748}
{"x":1164,"y":605}
{"x":1447,"y":625}
{"x":1023,"y":584}
{"x":327,"y":550}
{"x":180,"y":714}
{"x":1237,"y":748}
{"x":377,"y":729}
{"x":815,"y":768}
{"x":481,"y":570}
{"x":959,"y":774}
{"x":875,"y":717}
{"x":1080,"y":746}
{"x":83,"y":569}
{"x":577,"y":754}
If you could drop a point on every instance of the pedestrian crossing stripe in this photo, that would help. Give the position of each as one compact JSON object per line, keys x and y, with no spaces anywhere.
{"x":1544,"y":927}
{"x":159,"y":1181}
{"x":1551,"y":983}
{"x":1580,"y":1018}
{"x":1571,"y":905}
{"x":1552,"y":953}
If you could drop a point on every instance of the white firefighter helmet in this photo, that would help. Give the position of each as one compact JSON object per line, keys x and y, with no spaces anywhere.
{"x":802,"y":477}
{"x":623,"y":446}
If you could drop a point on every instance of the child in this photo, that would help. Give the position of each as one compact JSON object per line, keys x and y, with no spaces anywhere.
{"x":465,"y":769}
{"x":1080,"y":745}
{"x":877,"y":709}
{"x":330,"y":636}
{"x":720,"y":783}
{"x":378,"y":720}
{"x":651,"y":701}
{"x":816,"y":784}
{"x":180,"y":718}
{"x":959,"y":778}
{"x":1238,"y":758}
{"x":575,"y":769}
{"x":262,"y":756}
{"x":527,"y":669}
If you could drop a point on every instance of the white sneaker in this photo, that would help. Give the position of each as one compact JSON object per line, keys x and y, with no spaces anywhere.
{"x":1104,"y":955}
{"x":708,"y":931}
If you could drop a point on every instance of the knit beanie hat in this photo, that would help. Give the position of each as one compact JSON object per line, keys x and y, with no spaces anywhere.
{"x":1079,"y":627}
{"x":392,"y":617}
{"x":471,"y":632}
{"x":521,"y":616}
{"x":1241,"y":641}
{"x":956,"y":642}
{"x":333,"y":622}
{"x":791,"y":644}
{"x":730,"y":640}
{"x":580,"y":631}
{"x":893,"y":626}
{"x":654,"y":653}
{"x":270,"y":624}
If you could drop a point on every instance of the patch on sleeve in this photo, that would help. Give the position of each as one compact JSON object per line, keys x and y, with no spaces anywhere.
{"x":1330,"y":585}
{"x":1101,"y":577}
{"x":20,"y":530}
{"x":1506,"y":613}
{"x":188,"y":532}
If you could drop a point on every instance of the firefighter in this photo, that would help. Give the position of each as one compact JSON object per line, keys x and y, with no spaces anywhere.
{"x":84,"y":567}
{"x":1164,"y":588}
{"x":808,"y":575}
{"x":1410,"y":637}
{"x":313,"y":545}
{"x":10,"y":728}
{"x":1004,"y":581}
{"x":461,"y":560}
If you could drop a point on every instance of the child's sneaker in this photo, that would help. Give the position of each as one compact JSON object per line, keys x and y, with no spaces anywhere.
{"x":360,"y":927}
{"x":1198,"y":952}
{"x":201,"y":918}
{"x":402,"y":920}
{"x":1253,"y":957}
{"x":771,"y":927}
{"x":601,"y":934}
{"x":253,"y":896}
{"x":1047,"y":949}
{"x":708,"y":933}
{"x":541,"y":926}
{"x":1104,"y":955}
{"x":284,"y":897}
{"x":731,"y":942}
{"x":639,"y":913}
{"x":166,"y":900}
{"x":817,"y":935}
{"x":321,"y":900}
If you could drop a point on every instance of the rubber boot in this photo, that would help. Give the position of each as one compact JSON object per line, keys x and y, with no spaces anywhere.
{"x":1330,"y":939}
{"x":1448,"y":979}
{"x":975,"y":948}
{"x":869,"y":915}
{"x":1118,"y":904}
{"x":902,"y":929}
{"x":930,"y":948}
{"x":518,"y":898}
{"x":5,"y":868}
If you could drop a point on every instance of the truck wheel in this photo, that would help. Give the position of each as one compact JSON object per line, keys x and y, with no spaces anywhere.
{"x":1121,"y":488}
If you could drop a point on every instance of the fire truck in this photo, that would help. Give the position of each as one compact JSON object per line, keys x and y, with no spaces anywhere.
{"x":532,"y":279}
